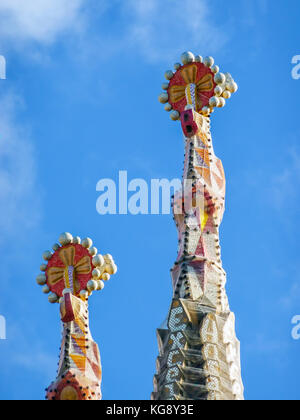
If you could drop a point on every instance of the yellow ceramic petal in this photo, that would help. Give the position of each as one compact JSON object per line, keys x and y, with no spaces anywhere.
{"x":176,"y":93}
{"x":189,"y":74}
{"x":206,"y":83}
{"x":55,"y":274}
{"x":83,"y":266}
{"x":67,"y":256}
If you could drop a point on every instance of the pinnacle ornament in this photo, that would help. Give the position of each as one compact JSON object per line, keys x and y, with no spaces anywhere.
{"x":199,"y":354}
{"x":72,"y":273}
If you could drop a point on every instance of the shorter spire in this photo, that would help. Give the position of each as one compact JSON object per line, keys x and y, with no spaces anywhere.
{"x":73,"y":271}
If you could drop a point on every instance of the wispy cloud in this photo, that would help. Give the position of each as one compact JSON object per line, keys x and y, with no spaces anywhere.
{"x":292,"y":298}
{"x":19,"y":201}
{"x":157,"y":29}
{"x":285,"y":188}
{"x":278,"y":186}
{"x":39,"y":20}
{"x":263,"y":344}
{"x":28,"y":352}
{"x":41,"y":362}
{"x":252,"y":9}
{"x":162,"y":30}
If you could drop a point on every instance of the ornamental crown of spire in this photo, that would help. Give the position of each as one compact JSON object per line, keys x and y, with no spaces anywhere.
{"x":196,"y":84}
{"x":74,"y":267}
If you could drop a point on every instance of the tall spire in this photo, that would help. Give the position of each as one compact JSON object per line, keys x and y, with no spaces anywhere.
{"x":73,"y":271}
{"x":199,"y":354}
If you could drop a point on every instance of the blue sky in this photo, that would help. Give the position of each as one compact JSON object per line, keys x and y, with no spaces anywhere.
{"x":79,"y":104}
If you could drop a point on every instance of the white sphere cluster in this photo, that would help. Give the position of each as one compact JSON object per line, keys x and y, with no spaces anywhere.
{"x":226,"y":85}
{"x":105,"y":267}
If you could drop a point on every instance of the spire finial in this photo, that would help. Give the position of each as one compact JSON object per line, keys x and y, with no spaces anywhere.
{"x":72,"y":272}
{"x":196,"y":84}
{"x":76,"y":266}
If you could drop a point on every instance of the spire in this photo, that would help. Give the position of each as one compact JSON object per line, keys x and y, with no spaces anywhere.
{"x":199,"y":354}
{"x":71,"y":274}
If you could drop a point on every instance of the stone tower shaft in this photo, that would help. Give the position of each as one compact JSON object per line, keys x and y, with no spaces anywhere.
{"x":199,"y":354}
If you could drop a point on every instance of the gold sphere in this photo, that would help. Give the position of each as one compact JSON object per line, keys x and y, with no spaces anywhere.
{"x":98,"y":260}
{"x":46,"y":289}
{"x":92,"y":285}
{"x":47,"y":255}
{"x":218,"y":91}
{"x":93,"y":251}
{"x":205,"y":111}
{"x":215,"y":69}
{"x":84,"y":294}
{"x":163,"y":98}
{"x":209,"y":61}
{"x":220,"y":78}
{"x":108,"y":258}
{"x":174,"y":115}
{"x":214,"y":102}
{"x":111,"y":268}
{"x":187,"y":57}
{"x":65,"y":238}
{"x":105,"y":277}
{"x":41,"y":279}
{"x":222,"y":103}
{"x":96,"y":273}
{"x":226,"y":94}
{"x":232,"y":87}
{"x":53,"y":298}
{"x":87,"y":243}
{"x":169,"y":74}
{"x":100,"y":285}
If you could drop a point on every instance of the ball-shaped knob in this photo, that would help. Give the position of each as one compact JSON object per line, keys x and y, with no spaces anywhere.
{"x":87,"y":243}
{"x":65,"y":238}
{"x":169,"y":74}
{"x":187,"y":57}
{"x":174,"y":115}
{"x":209,"y":61}
{"x":41,"y":279}
{"x":163,"y":98}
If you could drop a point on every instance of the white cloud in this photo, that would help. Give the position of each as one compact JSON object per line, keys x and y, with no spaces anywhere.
{"x":286,"y":185}
{"x":19,"y":201}
{"x":38,"y":20}
{"x":163,"y":29}
{"x":158,"y":29}
{"x":290,"y":276}
{"x":28,"y":352}
{"x":251,"y":10}
{"x":261,"y":343}
{"x":291,"y":299}
{"x":38,"y":360}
